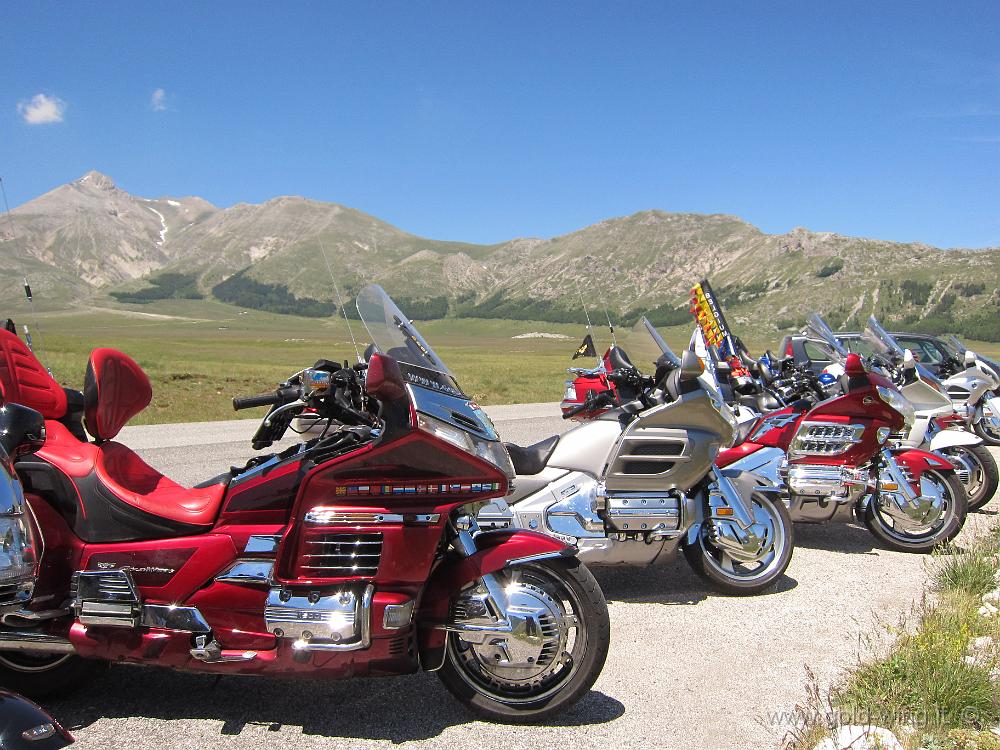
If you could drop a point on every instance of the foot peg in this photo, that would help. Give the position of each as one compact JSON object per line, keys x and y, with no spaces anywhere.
{"x":210,"y":652}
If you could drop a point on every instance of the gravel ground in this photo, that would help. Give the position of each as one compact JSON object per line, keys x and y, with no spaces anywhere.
{"x":687,"y":668}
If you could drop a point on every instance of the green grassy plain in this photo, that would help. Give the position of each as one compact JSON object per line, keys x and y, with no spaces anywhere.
{"x":199,"y":354}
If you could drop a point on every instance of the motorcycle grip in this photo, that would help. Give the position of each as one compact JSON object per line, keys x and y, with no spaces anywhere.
{"x":263,"y":399}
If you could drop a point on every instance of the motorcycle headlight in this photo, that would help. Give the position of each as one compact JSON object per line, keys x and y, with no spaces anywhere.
{"x":491,"y":451}
{"x":897,"y":401}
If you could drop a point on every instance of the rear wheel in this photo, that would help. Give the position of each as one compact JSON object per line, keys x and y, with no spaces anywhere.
{"x":38,"y":675}
{"x":555,"y":652}
{"x":905,"y":534}
{"x":981,"y":468}
{"x":738,"y":573}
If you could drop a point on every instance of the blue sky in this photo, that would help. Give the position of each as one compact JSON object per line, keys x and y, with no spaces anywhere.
{"x":486,"y":121}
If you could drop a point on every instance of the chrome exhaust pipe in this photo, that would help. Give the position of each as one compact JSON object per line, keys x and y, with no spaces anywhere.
{"x":13,"y":640}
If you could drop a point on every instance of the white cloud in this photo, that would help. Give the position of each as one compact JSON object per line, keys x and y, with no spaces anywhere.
{"x":158,"y":101}
{"x":41,"y":109}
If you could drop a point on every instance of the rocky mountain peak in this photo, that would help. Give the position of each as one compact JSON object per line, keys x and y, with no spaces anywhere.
{"x":97,"y":180}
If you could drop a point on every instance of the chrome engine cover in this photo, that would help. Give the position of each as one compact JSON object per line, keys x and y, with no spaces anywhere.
{"x":571,"y":509}
{"x":656,"y":512}
{"x":317,"y":621}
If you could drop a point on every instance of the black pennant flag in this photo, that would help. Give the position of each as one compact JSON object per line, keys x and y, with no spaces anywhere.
{"x":586,"y":349}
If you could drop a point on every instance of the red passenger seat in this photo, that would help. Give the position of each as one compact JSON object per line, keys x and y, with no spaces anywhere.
{"x":122,"y":497}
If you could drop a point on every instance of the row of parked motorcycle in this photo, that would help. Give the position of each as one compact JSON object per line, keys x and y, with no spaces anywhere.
{"x":404,"y":535}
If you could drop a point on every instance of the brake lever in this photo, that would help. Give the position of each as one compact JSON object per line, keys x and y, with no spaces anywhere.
{"x":280,"y":409}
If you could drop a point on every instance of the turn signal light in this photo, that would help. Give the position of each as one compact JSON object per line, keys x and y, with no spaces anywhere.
{"x":723,"y":511}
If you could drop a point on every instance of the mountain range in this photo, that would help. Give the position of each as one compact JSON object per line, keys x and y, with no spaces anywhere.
{"x":90,"y":242}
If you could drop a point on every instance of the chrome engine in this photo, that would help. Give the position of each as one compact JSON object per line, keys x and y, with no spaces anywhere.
{"x":321,"y":621}
{"x":608,"y":528}
{"x":655,"y":513}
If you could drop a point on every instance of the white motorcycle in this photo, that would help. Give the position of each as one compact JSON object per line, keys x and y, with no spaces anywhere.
{"x":974,"y":388}
{"x":975,"y":465}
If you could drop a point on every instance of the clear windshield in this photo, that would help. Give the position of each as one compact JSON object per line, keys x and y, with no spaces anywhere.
{"x":664,"y":349}
{"x":883,"y":342}
{"x":393,"y":333}
{"x":817,"y":329}
{"x":880,"y":339}
{"x":954,"y":343}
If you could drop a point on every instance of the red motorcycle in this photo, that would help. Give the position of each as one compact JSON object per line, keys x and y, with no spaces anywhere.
{"x":833,"y":461}
{"x":351,"y":554}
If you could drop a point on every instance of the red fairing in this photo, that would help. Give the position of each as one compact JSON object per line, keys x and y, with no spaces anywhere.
{"x":918,"y":461}
{"x":353,"y":483}
{"x":115,"y":390}
{"x":24,"y":381}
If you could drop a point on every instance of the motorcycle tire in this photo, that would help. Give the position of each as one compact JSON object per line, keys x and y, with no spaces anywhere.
{"x":990,"y":476}
{"x":40,"y":676}
{"x":924,"y":544}
{"x":463,"y":675}
{"x":709,"y":562}
{"x":989,"y":436}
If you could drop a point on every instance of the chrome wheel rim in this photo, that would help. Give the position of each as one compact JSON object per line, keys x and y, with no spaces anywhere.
{"x":891,"y":527}
{"x":31,"y":663}
{"x":762,"y":565}
{"x":977,"y":473}
{"x":541,"y":657}
{"x":990,"y":423}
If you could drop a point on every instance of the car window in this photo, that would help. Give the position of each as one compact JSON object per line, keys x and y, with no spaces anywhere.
{"x":815,"y":353}
{"x":922,"y":349}
{"x":858,"y":346}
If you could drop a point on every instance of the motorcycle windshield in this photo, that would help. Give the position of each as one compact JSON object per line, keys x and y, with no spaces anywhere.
{"x":883,"y":342}
{"x":817,"y":329}
{"x":955,"y":344}
{"x":665,"y":350}
{"x":433,"y":389}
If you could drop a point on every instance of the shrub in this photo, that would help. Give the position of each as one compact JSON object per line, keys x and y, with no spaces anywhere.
{"x":164,"y":286}
{"x":240,"y":289}
{"x":830,"y":268}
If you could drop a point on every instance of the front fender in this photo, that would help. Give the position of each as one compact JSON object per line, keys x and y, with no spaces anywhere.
{"x":918,"y":461}
{"x":495,"y":550}
{"x":949,"y":438}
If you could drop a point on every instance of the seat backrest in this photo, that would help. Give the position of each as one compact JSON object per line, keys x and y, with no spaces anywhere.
{"x":23,"y":379}
{"x":115,"y":390}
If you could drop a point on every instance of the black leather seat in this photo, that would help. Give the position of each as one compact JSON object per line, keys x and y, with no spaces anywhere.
{"x":532,"y":459}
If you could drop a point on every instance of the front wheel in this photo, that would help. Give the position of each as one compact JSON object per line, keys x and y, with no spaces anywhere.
{"x":902,"y":532}
{"x":976,"y":462}
{"x":988,"y":428}
{"x":741,"y":573}
{"x":550,"y":658}
{"x":39,"y":676}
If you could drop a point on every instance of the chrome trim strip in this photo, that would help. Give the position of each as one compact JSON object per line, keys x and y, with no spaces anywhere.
{"x":326,"y":516}
{"x":172,"y":617}
{"x":247,"y":572}
{"x":565,"y":552}
{"x":262,"y":544}
{"x":11,"y":640}
{"x":329,"y":516}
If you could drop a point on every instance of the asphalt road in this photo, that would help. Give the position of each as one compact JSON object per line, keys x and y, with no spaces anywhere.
{"x":687,"y":668}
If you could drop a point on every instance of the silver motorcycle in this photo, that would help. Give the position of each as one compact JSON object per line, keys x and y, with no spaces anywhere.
{"x":933,"y":402}
{"x":638,"y":483}
{"x":974,"y":387}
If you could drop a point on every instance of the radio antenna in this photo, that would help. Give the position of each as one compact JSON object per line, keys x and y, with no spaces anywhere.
{"x":607,"y":315}
{"x":340,"y":301}
{"x":590,"y":328}
{"x":27,"y":287}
